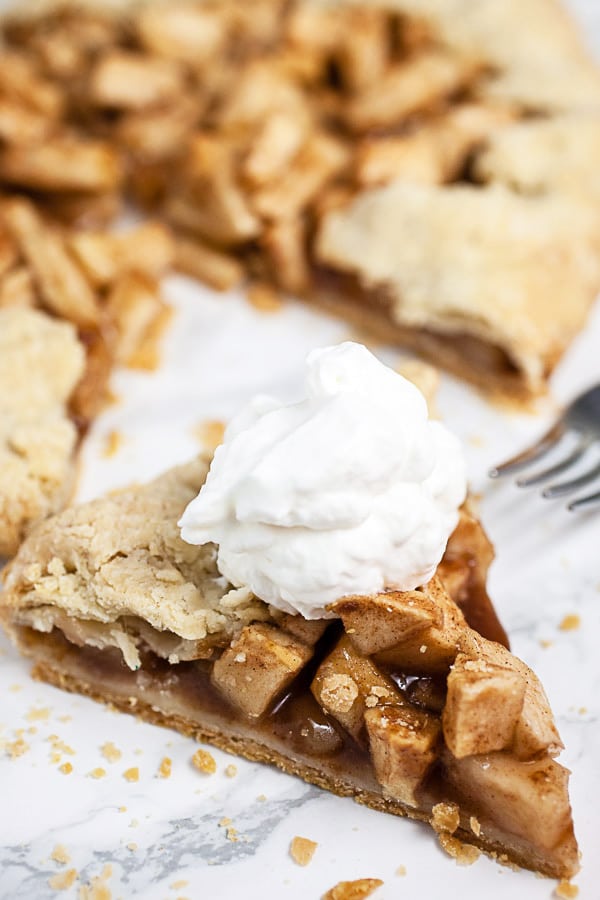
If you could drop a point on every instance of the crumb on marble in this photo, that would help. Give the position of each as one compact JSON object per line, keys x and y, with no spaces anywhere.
{"x":132,"y":846}
{"x":264,"y":297}
{"x":16,"y":748}
{"x":464,"y":854}
{"x":262,"y":798}
{"x":204,"y":762}
{"x":132,"y":774}
{"x":97,"y":889}
{"x":209,"y":433}
{"x":61,"y":855}
{"x":302,"y":850}
{"x":582,"y":710}
{"x":65,"y":718}
{"x":110,"y":753}
{"x":122,"y":809}
{"x":231,"y":770}
{"x":353,"y":890}
{"x":570,"y":622}
{"x":445,"y":818}
{"x":112,"y":444}
{"x":566,"y":891}
{"x":401,"y":871}
{"x":164,"y":769}
{"x":177,"y":885}
{"x":62,"y":881}
{"x":38,"y":714}
{"x":545,"y":643}
{"x":98,"y":772}
{"x":15,"y":688}
{"x":224,"y":822}
{"x":66,"y":768}
{"x":59,"y":746}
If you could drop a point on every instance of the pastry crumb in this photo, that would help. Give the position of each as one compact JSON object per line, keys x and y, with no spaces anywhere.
{"x":545,"y":643}
{"x":570,"y":622}
{"x":62,"y":881}
{"x":15,"y":688}
{"x":16,"y":748}
{"x":110,"y":752}
{"x":38,"y":714}
{"x":566,"y":891}
{"x":464,"y":854}
{"x":99,"y":772}
{"x":339,"y":692}
{"x":475,"y":825}
{"x":204,"y":762}
{"x":264,"y":297}
{"x":112,"y":444}
{"x":262,"y":798}
{"x":353,"y":890}
{"x":231,"y":770}
{"x":122,"y":809}
{"x":176,"y":885}
{"x":224,"y":822}
{"x":59,"y":747}
{"x":164,"y":769}
{"x":97,"y":889}
{"x":210,"y":433}
{"x":132,"y":846}
{"x":132,"y":774}
{"x":302,"y":850}
{"x":61,"y":855}
{"x":401,"y":870}
{"x":445,"y":818}
{"x":66,"y":768}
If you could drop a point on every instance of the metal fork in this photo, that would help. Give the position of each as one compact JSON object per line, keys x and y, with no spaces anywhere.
{"x":582,"y":418}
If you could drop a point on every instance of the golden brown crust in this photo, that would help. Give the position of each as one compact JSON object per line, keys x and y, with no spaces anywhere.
{"x":41,"y":361}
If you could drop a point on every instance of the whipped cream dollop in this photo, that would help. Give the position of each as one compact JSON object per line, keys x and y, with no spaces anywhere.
{"x":351,"y":490}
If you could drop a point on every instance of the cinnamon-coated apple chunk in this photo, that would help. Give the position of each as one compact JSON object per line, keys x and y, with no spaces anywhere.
{"x":347,"y":684}
{"x":528,"y":799}
{"x":535,"y":731}
{"x":384,"y":620}
{"x":483,"y":705}
{"x":403,"y":743}
{"x":257,"y":666}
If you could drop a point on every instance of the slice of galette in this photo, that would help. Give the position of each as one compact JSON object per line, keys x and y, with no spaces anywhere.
{"x":405,"y":700}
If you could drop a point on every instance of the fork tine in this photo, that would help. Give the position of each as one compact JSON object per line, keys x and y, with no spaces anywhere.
{"x":565,"y":487}
{"x":536,"y":451}
{"x":582,"y":502}
{"x":565,"y":463}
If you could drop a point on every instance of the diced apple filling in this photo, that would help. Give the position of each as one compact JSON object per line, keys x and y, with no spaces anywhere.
{"x":403,"y":743}
{"x":529,"y":799}
{"x":258,"y":666}
{"x":483,"y":706}
{"x":385,"y":620}
{"x":346,"y":684}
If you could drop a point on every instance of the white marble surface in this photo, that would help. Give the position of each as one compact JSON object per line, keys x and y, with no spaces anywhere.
{"x":158,"y":833}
